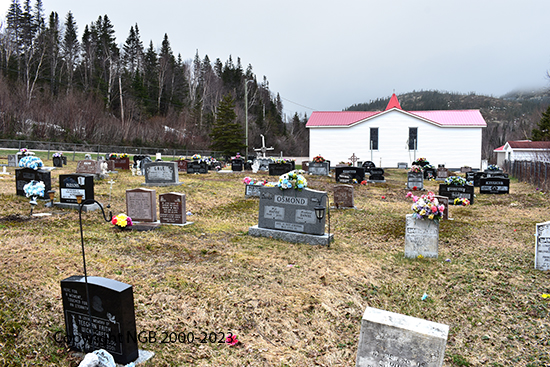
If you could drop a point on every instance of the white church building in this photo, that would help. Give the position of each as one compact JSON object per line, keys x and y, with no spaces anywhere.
{"x":392,"y":136}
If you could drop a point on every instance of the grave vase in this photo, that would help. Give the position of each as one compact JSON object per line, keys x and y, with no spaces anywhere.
{"x":421,"y":237}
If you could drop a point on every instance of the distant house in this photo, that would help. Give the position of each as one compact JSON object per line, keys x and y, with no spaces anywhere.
{"x":523,"y":150}
{"x":450,"y":137}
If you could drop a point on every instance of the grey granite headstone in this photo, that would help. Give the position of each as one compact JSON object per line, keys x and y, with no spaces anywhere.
{"x":396,"y":340}
{"x":343,"y":196}
{"x":290,"y":215}
{"x":172,"y":208}
{"x":161,"y":173}
{"x":542,"y":246}
{"x":421,"y":237}
{"x":402,"y":165}
{"x":141,"y":205}
{"x":13,"y":160}
{"x":252,"y":191}
{"x":415,"y":179}
{"x":291,"y":210}
{"x":320,"y":169}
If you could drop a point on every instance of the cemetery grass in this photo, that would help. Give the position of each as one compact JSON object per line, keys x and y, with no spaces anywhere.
{"x":288,"y":304}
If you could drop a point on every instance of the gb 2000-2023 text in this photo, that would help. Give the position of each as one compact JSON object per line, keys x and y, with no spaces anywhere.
{"x":150,"y":336}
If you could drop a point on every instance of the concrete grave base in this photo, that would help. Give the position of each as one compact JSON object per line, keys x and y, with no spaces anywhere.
{"x":75,"y":206}
{"x":162,"y":184}
{"x":376,"y":181}
{"x":291,"y":236}
{"x":144,"y":226}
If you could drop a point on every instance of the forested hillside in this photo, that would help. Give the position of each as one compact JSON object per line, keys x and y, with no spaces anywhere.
{"x":510,"y":117}
{"x":57,"y":86}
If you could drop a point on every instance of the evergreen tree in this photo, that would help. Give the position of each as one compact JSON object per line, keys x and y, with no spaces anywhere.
{"x":70,"y":48}
{"x":543,"y":131}
{"x":227,"y":135}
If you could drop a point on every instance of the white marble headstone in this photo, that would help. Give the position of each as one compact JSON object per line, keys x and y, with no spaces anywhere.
{"x":392,"y":339}
{"x":542,"y":246}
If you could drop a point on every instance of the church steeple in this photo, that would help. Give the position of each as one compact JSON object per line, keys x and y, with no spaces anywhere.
{"x":393,"y":103}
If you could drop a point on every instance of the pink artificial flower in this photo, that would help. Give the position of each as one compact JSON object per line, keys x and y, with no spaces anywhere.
{"x":232,"y":340}
{"x":409,"y":194}
{"x":442,"y":208}
{"x":434,"y":209}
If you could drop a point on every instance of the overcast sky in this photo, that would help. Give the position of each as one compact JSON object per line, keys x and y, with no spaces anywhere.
{"x":327,"y":55}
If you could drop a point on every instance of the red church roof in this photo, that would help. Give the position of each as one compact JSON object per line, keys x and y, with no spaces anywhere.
{"x":443,"y":118}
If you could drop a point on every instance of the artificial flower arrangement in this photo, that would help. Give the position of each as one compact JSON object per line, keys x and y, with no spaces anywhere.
{"x":345,"y":163}
{"x":181,"y":158}
{"x":23,"y":151}
{"x":421,"y":162}
{"x":122,"y":221}
{"x":283,"y":160}
{"x":461,"y":201}
{"x":238,"y":156}
{"x":57,"y":155}
{"x":292,"y":180}
{"x":30,"y":161}
{"x":455,"y":181}
{"x":415,"y":169}
{"x":318,"y":159}
{"x":493,"y":167}
{"x":426,"y":206}
{"x":250,"y":181}
{"x":196,"y":157}
{"x":113,"y":156}
{"x":123,"y":155}
{"x":34,"y":188}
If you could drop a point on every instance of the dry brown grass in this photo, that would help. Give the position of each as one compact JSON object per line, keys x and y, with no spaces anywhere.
{"x":289,"y":304}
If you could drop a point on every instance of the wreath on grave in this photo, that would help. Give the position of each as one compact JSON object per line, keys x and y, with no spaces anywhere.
{"x":292,"y":180}
{"x":30,"y":161}
{"x":426,"y":206}
{"x":122,"y":221}
{"x":455,"y":181}
{"x":415,"y":169}
{"x":318,"y":159}
{"x":196,"y":157}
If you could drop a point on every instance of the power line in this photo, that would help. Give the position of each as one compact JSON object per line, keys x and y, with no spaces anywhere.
{"x":301,"y":105}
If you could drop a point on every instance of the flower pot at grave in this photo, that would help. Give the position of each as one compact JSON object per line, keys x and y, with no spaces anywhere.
{"x":415,"y":179}
{"x":421,"y":237}
{"x":452,"y":192}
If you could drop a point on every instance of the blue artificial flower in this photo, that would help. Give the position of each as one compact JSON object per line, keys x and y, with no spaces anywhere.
{"x":34,"y":188}
{"x":30,"y":162}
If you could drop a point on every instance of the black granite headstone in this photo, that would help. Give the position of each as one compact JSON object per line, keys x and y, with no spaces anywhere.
{"x":377,"y":175}
{"x":368,"y":165}
{"x":77,"y":183}
{"x":25,"y":175}
{"x":357,"y":173}
{"x":494,"y":185}
{"x":453,"y":192}
{"x":57,"y":161}
{"x":277,"y":169}
{"x":197,"y":167}
{"x":237,"y":164}
{"x":112,"y":325}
